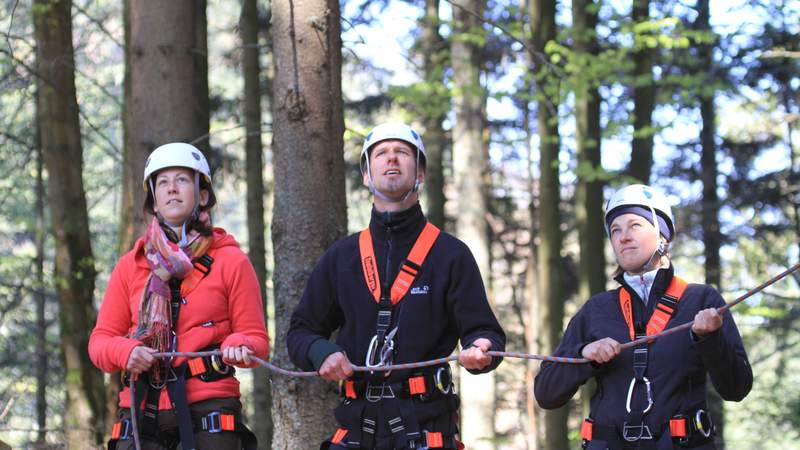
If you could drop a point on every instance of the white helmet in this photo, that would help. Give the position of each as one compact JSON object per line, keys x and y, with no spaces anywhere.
{"x":176,"y":154}
{"x":386,"y":131}
{"x":645,"y":197}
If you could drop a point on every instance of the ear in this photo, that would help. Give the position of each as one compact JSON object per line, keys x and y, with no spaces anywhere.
{"x":203,"y":197}
{"x":365,"y":177}
{"x":421,"y":175}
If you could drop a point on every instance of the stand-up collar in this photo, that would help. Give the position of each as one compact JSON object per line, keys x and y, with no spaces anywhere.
{"x":402,"y":226}
{"x":663,"y":278}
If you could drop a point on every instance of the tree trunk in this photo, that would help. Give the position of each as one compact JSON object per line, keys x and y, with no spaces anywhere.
{"x":543,"y":24}
{"x":248,"y":25}
{"x":166,"y":94}
{"x":41,"y":298}
{"x":310,"y":212}
{"x":712,"y":236}
{"x":433,"y":51}
{"x":644,"y":97}
{"x":471,"y":170}
{"x":589,"y":195}
{"x":74,"y":266}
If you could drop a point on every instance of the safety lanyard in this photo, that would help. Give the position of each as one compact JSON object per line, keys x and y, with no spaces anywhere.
{"x":634,"y":428}
{"x":402,"y":283}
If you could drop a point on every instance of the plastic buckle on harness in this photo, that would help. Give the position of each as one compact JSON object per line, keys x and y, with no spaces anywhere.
{"x":649,"y":394}
{"x":216,"y":422}
{"x":121,"y":430}
{"x":375,"y":393}
{"x":644,"y":432}
{"x":703,"y":423}
{"x":446,"y":385}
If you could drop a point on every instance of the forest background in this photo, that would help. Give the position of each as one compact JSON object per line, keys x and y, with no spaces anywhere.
{"x":532,"y":112}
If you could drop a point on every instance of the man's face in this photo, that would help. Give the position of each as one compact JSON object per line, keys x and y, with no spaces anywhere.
{"x":393,"y":165}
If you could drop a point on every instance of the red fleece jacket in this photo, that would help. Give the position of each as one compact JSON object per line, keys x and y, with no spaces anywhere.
{"x":224,"y":308}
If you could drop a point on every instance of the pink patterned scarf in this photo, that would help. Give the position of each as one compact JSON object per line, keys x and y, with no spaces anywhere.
{"x":167,"y":261}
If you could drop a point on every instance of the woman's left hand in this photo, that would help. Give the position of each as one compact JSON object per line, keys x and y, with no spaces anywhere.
{"x":237,"y":356}
{"x":706,"y":322}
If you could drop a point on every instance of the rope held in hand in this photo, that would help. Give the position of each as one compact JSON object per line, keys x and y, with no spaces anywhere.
{"x":438,"y":361}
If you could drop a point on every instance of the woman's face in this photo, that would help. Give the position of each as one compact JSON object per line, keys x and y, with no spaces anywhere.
{"x":634,"y":241}
{"x":174,"y":194}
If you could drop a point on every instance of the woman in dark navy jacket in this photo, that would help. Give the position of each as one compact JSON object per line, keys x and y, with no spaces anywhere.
{"x":653,"y":397}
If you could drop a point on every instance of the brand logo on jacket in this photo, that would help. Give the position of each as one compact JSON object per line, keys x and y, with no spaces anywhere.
{"x":419,"y":290}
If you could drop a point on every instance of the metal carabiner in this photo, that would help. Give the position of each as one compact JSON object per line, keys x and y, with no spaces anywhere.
{"x":380,"y":358}
{"x":649,"y":394}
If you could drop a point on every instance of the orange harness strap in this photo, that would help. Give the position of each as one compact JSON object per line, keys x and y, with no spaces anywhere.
{"x":663,"y":311}
{"x":408,"y":271}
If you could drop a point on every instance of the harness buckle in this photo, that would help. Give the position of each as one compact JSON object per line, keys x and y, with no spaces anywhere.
{"x":374,"y":393}
{"x":446,"y":385}
{"x":212,"y":423}
{"x":644,"y":432}
{"x":646,"y":381}
{"x":703,"y":423}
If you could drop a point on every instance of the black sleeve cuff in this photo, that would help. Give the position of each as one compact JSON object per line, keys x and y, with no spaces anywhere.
{"x":321,"y":349}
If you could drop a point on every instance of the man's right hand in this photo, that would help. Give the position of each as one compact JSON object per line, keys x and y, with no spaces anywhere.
{"x":601,"y":351}
{"x":140,"y":360}
{"x":336,"y":367}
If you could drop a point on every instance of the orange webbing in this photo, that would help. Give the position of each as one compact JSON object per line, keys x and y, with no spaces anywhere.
{"x":434,"y":439}
{"x":662,"y":313}
{"x":196,"y":366}
{"x":407,"y":273}
{"x":677,"y":427}
{"x":116,"y":431}
{"x":416,"y":385}
{"x":349,"y":389}
{"x":586,"y":430}
{"x":339,"y":435}
{"x":227,"y":422}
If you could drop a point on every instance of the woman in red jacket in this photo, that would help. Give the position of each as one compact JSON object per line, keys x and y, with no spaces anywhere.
{"x":186,"y":286}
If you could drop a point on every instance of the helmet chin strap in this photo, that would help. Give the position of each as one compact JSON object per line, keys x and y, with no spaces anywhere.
{"x":661,"y":246}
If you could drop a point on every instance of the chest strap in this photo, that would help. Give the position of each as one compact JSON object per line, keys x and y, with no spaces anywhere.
{"x":663,"y":311}
{"x":381,"y":347}
{"x":408,"y":270}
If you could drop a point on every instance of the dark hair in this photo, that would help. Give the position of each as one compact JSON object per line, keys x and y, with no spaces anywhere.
{"x":195,"y":224}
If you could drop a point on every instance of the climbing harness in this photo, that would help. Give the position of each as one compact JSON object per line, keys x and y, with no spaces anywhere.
{"x":699,"y":422}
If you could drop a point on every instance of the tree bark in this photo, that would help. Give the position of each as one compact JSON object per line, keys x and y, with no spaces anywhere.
{"x":589,"y":194}
{"x":712,"y":236}
{"x":471,"y":170}
{"x":310,"y":212}
{"x":433,"y":60}
{"x":41,"y":299}
{"x":551,"y":310}
{"x":644,"y":97}
{"x":248,"y":26}
{"x":168,"y":101}
{"x":60,"y":133}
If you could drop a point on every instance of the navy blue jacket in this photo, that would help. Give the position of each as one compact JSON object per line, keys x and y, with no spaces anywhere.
{"x":677,"y":364}
{"x":446,"y":302}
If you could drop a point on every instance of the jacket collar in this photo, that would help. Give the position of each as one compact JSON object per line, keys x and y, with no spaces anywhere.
{"x":660,"y":284}
{"x":402,"y":227}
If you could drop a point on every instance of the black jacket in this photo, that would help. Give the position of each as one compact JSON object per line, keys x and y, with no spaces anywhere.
{"x":446,"y":302}
{"x":677,"y":364}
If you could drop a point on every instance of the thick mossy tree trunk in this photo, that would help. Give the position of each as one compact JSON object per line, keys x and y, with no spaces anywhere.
{"x":60,"y":134}
{"x":309,"y":213}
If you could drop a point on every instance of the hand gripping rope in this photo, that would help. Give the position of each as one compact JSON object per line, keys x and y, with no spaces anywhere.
{"x":433,"y":362}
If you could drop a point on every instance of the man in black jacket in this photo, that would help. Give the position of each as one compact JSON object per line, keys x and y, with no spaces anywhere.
{"x":400,"y":291}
